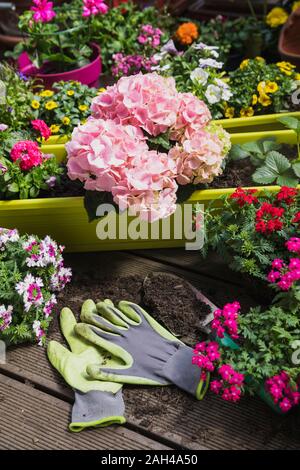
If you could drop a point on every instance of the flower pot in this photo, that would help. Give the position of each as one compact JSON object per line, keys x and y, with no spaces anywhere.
{"x":289,"y":40}
{"x":66,"y":220}
{"x":87,"y":75}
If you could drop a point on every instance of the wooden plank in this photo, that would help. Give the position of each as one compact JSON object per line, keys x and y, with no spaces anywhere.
{"x":174,"y":417}
{"x":33,"y":420}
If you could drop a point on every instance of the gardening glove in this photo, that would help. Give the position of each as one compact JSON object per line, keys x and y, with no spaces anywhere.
{"x":97,"y":404}
{"x":150,"y":354}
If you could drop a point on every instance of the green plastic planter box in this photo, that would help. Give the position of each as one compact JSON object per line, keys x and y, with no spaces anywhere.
{"x":65,"y":219}
{"x":268,"y":122}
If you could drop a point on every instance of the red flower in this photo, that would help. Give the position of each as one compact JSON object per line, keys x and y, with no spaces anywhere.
{"x":27,"y":153}
{"x":287,"y":195}
{"x":268,"y":218}
{"x":244,"y":196}
{"x":296,"y":219}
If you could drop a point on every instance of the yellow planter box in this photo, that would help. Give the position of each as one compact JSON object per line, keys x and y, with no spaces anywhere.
{"x":268,"y":122}
{"x":65,"y":219}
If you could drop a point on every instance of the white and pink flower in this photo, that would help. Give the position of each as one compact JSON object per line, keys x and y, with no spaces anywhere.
{"x":30,"y":289}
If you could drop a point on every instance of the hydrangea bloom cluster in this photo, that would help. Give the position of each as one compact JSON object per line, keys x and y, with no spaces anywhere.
{"x":150,"y":35}
{"x":94,"y":7}
{"x":38,"y":272}
{"x":229,"y":386}
{"x":269,"y":218}
{"x":40,"y":126}
{"x":111,"y":153}
{"x":225,"y":320}
{"x":281,"y":391}
{"x":27,"y":153}
{"x":43,"y":11}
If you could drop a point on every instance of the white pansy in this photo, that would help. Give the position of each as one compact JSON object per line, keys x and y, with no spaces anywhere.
{"x":213,"y":94}
{"x":199,"y":75}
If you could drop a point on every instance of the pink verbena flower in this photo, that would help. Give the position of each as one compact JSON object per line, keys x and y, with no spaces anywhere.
{"x":226,"y":320}
{"x":281,"y":391}
{"x":293,"y":244}
{"x":42,"y":128}
{"x":5,"y":316}
{"x":150,"y":35}
{"x":30,"y":289}
{"x":205,"y":355}
{"x":27,"y":153}
{"x":43,"y":11}
{"x":39,"y":333}
{"x":94,"y":7}
{"x":8,"y":236}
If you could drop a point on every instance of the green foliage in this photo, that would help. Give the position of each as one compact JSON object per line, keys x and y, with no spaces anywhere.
{"x":73,"y":101}
{"x":266,"y":344}
{"x":251,"y":93}
{"x":15,"y":108}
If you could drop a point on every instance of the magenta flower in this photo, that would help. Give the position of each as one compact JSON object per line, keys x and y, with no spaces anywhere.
{"x":40,"y":126}
{"x":43,"y":11}
{"x":225,"y":321}
{"x":94,"y":7}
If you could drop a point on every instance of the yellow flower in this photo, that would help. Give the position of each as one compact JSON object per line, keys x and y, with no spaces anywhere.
{"x":247,"y":112}
{"x":264,"y":100}
{"x":47,"y":93}
{"x":277,"y":17}
{"x":229,"y":112}
{"x":51,"y":105}
{"x":66,"y":121}
{"x":83,"y":121}
{"x":244,"y":64}
{"x":54,"y":128}
{"x":101,"y":90}
{"x":254,"y":100}
{"x":286,"y":67}
{"x":297,"y":76}
{"x":35,"y":104}
{"x":271,"y":87}
{"x":260,"y":59}
{"x":261,"y":87}
{"x":70,"y":92}
{"x":83,"y":107}
{"x":295,"y":6}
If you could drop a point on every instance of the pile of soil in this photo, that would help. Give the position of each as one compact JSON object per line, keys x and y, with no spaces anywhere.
{"x":174,"y":306}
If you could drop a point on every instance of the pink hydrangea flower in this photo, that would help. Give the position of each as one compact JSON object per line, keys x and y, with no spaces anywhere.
{"x":27,"y":153}
{"x":43,"y":11}
{"x":42,"y":128}
{"x":94,"y":7}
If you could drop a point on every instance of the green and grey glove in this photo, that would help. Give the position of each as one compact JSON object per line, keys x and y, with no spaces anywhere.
{"x":150,"y":354}
{"x":97,"y":403}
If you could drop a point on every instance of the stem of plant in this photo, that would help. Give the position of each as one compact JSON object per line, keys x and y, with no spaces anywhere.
{"x":252,"y":10}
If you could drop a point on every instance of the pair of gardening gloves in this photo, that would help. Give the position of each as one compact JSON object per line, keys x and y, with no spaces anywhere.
{"x":113,"y":346}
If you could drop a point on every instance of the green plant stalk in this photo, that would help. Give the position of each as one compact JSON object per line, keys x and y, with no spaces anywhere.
{"x":252,"y":10}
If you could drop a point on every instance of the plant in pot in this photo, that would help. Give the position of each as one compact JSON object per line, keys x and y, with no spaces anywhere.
{"x":57,"y":42}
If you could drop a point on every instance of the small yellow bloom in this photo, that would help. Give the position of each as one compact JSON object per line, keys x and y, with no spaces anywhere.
{"x":271,"y":87}
{"x":66,"y":121}
{"x":260,"y":59}
{"x":297,"y":76}
{"x":295,"y":6}
{"x":83,"y":107}
{"x":254,"y":100}
{"x":229,"y":112}
{"x":277,"y":17}
{"x":35,"y":104}
{"x":54,"y":128}
{"x":261,"y":87}
{"x":51,"y":105}
{"x":244,"y":64}
{"x":247,"y":112}
{"x":264,"y":100}
{"x":47,"y":93}
{"x":286,"y":67}
{"x":70,"y":92}
{"x":101,"y":90}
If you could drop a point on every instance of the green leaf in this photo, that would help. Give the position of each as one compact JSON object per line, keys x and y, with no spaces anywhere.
{"x":287,"y":179}
{"x":264,"y":175}
{"x":290,"y":122}
{"x":277,"y":162}
{"x":252,"y":147}
{"x":296,"y":168}
{"x":13,"y":188}
{"x":237,"y":152}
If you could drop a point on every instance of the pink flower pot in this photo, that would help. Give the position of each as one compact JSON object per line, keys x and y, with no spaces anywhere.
{"x":87,"y":75}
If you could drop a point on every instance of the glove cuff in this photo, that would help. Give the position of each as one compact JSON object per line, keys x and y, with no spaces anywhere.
{"x":97,"y":409}
{"x":180,"y":371}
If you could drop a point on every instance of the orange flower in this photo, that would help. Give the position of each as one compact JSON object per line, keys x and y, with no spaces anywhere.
{"x":187,"y":33}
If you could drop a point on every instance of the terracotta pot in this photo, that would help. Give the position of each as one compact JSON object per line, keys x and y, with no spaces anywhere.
{"x":289,"y":40}
{"x":87,"y":75}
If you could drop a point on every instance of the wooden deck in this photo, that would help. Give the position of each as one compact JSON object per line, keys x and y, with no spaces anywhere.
{"x":35,"y":403}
